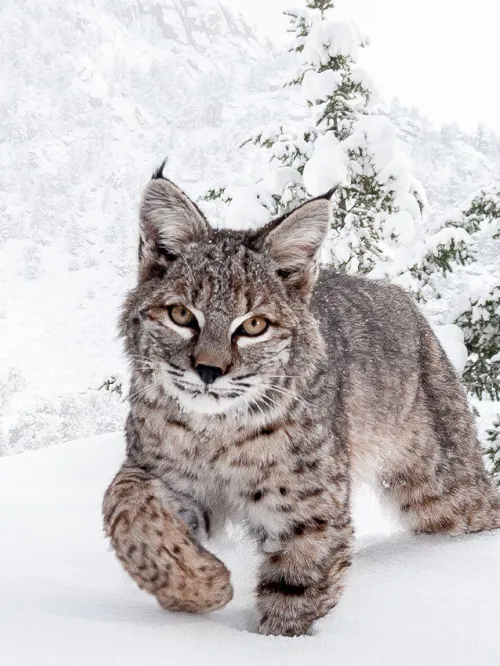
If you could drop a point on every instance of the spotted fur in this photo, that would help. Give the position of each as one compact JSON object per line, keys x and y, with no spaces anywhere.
{"x":349,"y":378}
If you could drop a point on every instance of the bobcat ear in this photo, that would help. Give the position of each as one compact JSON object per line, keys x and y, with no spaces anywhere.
{"x":294,"y":240}
{"x":169,"y":220}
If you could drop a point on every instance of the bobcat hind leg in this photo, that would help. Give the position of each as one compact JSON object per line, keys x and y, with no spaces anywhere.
{"x":437,"y":478}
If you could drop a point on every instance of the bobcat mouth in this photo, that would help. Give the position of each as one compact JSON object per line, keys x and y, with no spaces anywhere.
{"x":206,"y":391}
{"x":213,"y":394}
{"x":206,"y":400}
{"x":225,"y":394}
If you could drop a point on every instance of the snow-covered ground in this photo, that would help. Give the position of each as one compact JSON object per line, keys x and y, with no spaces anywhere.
{"x":65,"y":601}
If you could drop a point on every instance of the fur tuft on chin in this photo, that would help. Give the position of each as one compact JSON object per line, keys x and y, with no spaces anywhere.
{"x":206,"y":404}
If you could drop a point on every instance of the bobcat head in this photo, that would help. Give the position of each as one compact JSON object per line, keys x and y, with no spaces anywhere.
{"x":220,"y":318}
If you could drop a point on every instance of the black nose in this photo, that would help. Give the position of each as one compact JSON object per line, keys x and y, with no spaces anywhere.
{"x":208,"y":373}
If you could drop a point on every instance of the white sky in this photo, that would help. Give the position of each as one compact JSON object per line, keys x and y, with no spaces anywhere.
{"x":441,"y":56}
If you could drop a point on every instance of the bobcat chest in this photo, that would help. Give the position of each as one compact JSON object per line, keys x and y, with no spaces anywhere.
{"x":255,"y":472}
{"x":243,"y":461}
{"x":230,"y":452}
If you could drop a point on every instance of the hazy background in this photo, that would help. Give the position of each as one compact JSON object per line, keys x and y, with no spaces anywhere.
{"x":439,"y":55}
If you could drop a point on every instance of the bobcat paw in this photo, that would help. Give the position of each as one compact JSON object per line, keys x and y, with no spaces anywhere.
{"x":160,"y":552}
{"x":199,"y":586}
{"x":277,"y":626}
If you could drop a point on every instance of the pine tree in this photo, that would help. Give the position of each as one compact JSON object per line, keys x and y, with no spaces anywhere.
{"x":437,"y":257}
{"x":456,"y":242}
{"x":481,"y":326}
{"x":467,"y":247}
{"x":480,"y":142}
{"x":480,"y":321}
{"x":483,"y":211}
{"x":337,"y":142}
{"x":493,"y":450}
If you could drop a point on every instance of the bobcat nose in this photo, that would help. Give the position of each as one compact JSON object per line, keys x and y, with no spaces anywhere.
{"x":208,"y":373}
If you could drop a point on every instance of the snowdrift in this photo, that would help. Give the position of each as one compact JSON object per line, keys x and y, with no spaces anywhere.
{"x":64,"y":599}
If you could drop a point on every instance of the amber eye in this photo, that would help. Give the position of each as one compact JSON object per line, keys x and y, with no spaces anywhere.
{"x":253,"y":326}
{"x":181,"y":316}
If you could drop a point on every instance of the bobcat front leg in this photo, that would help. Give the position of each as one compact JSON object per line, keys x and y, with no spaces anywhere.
{"x":304,"y":575}
{"x":157,"y":548}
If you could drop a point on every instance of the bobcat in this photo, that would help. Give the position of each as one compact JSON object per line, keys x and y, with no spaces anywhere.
{"x":259,"y":385}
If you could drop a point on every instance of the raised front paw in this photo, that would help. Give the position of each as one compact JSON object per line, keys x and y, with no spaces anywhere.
{"x":158,"y":550}
{"x":199,"y":583}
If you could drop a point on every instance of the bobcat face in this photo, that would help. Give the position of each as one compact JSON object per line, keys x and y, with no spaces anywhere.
{"x":217,"y":313}
{"x":217,"y":327}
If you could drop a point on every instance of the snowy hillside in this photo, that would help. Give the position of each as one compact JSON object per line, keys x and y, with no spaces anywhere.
{"x":450,"y":163}
{"x":65,"y":599}
{"x":94,"y":95}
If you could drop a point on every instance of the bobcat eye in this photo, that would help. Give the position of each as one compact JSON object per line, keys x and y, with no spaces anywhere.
{"x":253,"y":326}
{"x":181,"y":316}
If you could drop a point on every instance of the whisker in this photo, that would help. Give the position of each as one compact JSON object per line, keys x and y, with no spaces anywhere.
{"x":144,"y":389}
{"x":271,"y":401}
{"x":255,"y":401}
{"x":156,"y":363}
{"x":283,"y":389}
{"x":247,"y":406}
{"x":289,"y":394}
{"x":186,"y":385}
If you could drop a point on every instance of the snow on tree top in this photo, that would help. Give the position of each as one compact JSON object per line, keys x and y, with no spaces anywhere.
{"x":328,"y":39}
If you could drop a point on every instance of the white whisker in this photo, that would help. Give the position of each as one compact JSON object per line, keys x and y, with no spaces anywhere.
{"x":290,"y":394}
{"x":144,"y":389}
{"x":270,"y":401}
{"x":254,"y":401}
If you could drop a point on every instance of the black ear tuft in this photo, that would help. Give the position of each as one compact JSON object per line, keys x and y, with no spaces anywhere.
{"x":327,"y":195}
{"x":169,"y":221}
{"x":158,"y":174}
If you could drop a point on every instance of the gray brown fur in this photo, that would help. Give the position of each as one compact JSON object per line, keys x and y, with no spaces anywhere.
{"x":352,"y":380}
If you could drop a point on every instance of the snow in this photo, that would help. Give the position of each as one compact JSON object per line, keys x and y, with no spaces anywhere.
{"x":408,"y":202}
{"x":377,"y":133}
{"x":65,"y":600}
{"x":327,"y":166}
{"x":328,"y":39}
{"x":402,"y":225}
{"x":451,"y":338}
{"x":318,"y":85}
{"x":250,"y":202}
{"x":447,"y":234}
